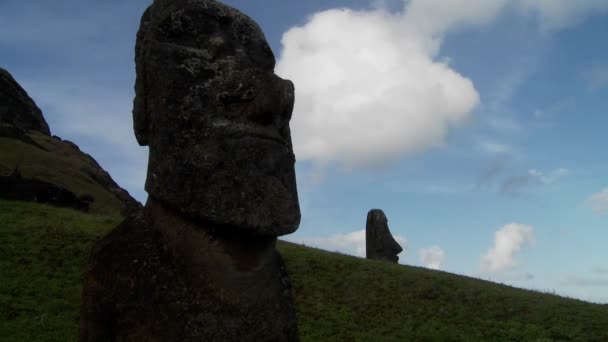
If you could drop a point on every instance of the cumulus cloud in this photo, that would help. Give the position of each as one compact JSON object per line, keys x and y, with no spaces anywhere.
{"x":369,"y":88}
{"x":352,"y":243}
{"x":599,"y":201}
{"x":432,"y":257}
{"x":508,"y":242}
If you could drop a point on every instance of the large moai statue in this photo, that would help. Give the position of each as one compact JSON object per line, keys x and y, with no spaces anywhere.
{"x":198,"y":262}
{"x":379,"y":242}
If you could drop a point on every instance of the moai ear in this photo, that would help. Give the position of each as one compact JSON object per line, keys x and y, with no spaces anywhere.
{"x":140,"y":103}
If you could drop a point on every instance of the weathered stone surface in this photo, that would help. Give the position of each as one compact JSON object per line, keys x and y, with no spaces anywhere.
{"x":17,"y":110}
{"x":161,"y":277}
{"x":216,"y":117}
{"x":379,"y":241}
{"x":199,"y":262}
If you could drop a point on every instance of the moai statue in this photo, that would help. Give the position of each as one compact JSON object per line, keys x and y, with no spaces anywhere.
{"x":379,"y":242}
{"x":198,"y":262}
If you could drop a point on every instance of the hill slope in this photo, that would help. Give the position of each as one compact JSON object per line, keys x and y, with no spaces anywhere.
{"x":43,"y":252}
{"x":26,"y":145}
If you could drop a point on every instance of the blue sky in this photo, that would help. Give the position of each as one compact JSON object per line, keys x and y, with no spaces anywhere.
{"x":476,"y":125}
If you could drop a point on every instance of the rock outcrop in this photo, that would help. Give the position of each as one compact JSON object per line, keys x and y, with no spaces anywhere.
{"x":17,"y":110}
{"x":52,"y":170}
{"x":199,"y":262}
{"x":379,"y":241}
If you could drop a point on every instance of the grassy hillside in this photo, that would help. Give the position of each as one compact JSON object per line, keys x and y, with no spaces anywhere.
{"x":60,"y":164}
{"x":43,"y":253}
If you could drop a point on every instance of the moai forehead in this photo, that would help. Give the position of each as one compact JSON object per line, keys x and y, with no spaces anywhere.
{"x":216,"y":118}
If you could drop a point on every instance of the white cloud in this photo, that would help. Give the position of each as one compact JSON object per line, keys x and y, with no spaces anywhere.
{"x":369,"y":85}
{"x":599,"y":201}
{"x":508,"y":242}
{"x":352,"y":243}
{"x":368,"y":88}
{"x":432,"y":257}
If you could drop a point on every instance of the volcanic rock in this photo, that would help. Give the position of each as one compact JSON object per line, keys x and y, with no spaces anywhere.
{"x":216,"y":117}
{"x":162,"y":277}
{"x":199,"y":262}
{"x":17,"y":109}
{"x":379,"y":241}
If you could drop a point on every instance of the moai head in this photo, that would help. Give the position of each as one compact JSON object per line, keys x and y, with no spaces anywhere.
{"x":379,"y":241}
{"x":216,"y":118}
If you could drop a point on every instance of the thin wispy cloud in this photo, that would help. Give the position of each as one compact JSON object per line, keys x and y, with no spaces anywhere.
{"x":493,"y":147}
{"x":598,"y":202}
{"x":516,"y":185}
{"x":554,"y":108}
{"x":492,"y":170}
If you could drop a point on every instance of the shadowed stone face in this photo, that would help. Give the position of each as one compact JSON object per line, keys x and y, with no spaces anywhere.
{"x":379,"y":241}
{"x":216,"y":118}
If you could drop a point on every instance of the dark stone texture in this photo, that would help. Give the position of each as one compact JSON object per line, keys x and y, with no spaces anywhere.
{"x":379,"y":241}
{"x":161,"y":277}
{"x":199,"y":262}
{"x":216,"y":117}
{"x":17,"y":109}
{"x":16,"y":188}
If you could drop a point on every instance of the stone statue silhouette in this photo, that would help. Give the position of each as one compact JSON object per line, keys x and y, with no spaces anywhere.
{"x":199,"y":261}
{"x":379,"y":241}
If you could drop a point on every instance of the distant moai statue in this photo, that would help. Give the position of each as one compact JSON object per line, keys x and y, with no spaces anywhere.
{"x":379,"y":242}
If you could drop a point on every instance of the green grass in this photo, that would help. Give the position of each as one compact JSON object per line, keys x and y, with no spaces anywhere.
{"x":59,"y":164}
{"x":43,"y":252}
{"x":341,"y":297}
